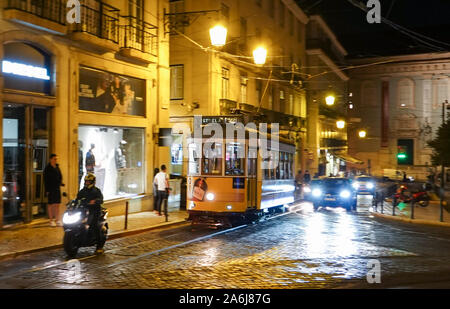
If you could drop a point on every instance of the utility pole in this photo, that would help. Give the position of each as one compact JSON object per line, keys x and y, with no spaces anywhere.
{"x":444,"y":104}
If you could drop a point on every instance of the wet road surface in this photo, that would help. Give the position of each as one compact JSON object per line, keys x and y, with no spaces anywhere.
{"x":327,"y":249}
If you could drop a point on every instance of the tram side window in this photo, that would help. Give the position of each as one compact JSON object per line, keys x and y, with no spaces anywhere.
{"x":234,"y":159}
{"x":251,"y":162}
{"x":266,"y":168}
{"x":212,"y":162}
{"x":281,"y":166}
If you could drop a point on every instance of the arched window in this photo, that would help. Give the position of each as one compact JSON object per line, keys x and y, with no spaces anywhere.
{"x":369,"y":94}
{"x":26,"y":68}
{"x":405,"y":93}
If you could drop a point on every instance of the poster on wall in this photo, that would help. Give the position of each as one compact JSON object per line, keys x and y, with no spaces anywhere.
{"x":105,"y":92}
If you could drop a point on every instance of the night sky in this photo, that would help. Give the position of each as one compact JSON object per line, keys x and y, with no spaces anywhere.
{"x":430,"y":18}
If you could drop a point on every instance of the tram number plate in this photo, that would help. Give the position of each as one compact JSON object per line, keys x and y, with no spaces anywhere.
{"x":238,"y":183}
{"x":330,"y":199}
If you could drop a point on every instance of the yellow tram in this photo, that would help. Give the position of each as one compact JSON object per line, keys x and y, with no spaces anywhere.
{"x":239,"y":183}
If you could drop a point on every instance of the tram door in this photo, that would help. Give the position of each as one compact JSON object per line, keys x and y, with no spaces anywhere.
{"x":252,"y":191}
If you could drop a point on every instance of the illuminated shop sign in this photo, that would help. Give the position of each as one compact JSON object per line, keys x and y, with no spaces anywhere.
{"x":24,"y":70}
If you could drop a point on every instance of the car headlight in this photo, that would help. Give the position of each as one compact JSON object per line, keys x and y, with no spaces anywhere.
{"x":71,"y":218}
{"x":370,"y":185}
{"x":316,"y":192}
{"x":210,"y":196}
{"x":355,"y":185}
{"x":307,"y":189}
{"x":345,"y":194}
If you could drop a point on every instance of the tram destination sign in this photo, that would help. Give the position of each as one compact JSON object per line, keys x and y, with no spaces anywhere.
{"x":221,"y":119}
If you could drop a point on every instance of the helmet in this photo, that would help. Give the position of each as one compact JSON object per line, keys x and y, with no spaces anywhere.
{"x":89,"y":180}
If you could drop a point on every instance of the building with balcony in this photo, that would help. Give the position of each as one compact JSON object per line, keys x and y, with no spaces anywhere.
{"x":399,"y":103}
{"x":90,"y":84}
{"x":213,"y":81}
{"x":326,"y":149}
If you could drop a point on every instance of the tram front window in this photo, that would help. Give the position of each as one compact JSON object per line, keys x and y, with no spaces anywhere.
{"x":212,"y":159}
{"x":234,"y":159}
{"x":194,"y":161}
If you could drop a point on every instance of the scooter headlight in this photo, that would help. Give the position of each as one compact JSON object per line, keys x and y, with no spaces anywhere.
{"x":71,"y":218}
{"x":370,"y":185}
{"x":316,"y":192}
{"x":345,"y":194}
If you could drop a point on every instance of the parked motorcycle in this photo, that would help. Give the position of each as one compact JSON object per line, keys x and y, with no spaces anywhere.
{"x":421,"y":197}
{"x":77,"y":232}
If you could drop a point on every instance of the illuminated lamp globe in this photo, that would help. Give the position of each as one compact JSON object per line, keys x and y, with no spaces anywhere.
{"x":340,"y":124}
{"x":362,"y":133}
{"x":330,"y":100}
{"x":218,"y":35}
{"x":260,"y":55}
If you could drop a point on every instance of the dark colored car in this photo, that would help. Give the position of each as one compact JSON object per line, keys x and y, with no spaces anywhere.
{"x":334,"y":192}
{"x":307,"y":189}
{"x":364,"y":185}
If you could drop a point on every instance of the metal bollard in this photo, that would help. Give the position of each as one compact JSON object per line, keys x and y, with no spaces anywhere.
{"x":126,"y":215}
{"x":166,"y":213}
{"x":412,"y":208}
{"x":394,"y":204}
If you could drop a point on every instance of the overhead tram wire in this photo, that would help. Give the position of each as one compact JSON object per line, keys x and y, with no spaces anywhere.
{"x":412,"y":34}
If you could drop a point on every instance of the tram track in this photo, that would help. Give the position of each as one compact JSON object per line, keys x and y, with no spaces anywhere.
{"x":132,"y":257}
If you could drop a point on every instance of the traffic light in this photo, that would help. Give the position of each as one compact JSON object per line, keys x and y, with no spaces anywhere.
{"x":405,"y":152}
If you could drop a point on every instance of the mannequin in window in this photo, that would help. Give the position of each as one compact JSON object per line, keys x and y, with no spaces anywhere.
{"x":90,"y":160}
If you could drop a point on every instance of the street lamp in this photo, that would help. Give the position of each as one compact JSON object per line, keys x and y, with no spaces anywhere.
{"x":362,"y":133}
{"x":340,"y":124}
{"x":260,"y":55}
{"x":218,"y":35}
{"x":330,"y":100}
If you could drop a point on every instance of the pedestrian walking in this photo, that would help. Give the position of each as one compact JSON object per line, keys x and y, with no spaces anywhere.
{"x":162,"y":184}
{"x":155,"y":190}
{"x":306,"y":177}
{"x":53,"y":183}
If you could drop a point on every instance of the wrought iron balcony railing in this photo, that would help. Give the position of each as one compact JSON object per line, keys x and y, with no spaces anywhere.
{"x":100,"y":20}
{"x":139,"y":35}
{"x":53,"y":10}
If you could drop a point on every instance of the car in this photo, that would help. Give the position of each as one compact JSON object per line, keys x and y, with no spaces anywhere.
{"x":306,"y":188}
{"x":364,"y":185}
{"x":334,"y":192}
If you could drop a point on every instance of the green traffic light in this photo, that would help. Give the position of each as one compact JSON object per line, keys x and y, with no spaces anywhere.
{"x":401,"y":156}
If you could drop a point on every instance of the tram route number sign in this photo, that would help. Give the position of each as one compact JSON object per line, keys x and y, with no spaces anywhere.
{"x":238,"y":183}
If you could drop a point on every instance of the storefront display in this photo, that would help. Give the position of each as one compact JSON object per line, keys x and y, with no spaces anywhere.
{"x":116,"y":156}
{"x":105,"y":92}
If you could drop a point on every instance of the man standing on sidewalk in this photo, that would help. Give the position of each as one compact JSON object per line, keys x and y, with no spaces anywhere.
{"x":162,"y":184}
{"x":53,"y":184}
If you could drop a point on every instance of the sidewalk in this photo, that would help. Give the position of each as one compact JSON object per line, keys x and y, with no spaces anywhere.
{"x":39,"y":235}
{"x":429,"y":215}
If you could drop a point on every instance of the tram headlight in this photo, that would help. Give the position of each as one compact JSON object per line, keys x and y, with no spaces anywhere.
{"x":316,"y":192}
{"x":4,"y":189}
{"x":370,"y":185}
{"x":210,"y":196}
{"x":345,"y":194}
{"x":71,"y":218}
{"x":307,"y":189}
{"x":229,"y":207}
{"x":355,"y":185}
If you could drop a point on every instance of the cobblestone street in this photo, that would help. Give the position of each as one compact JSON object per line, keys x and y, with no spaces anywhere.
{"x":327,"y":249}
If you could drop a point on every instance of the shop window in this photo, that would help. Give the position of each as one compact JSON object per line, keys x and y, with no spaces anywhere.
{"x":105,"y":92}
{"x":234,"y":159}
{"x":116,"y":156}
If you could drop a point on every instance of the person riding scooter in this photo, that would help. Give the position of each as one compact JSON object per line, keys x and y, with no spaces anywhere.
{"x":94,"y":198}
